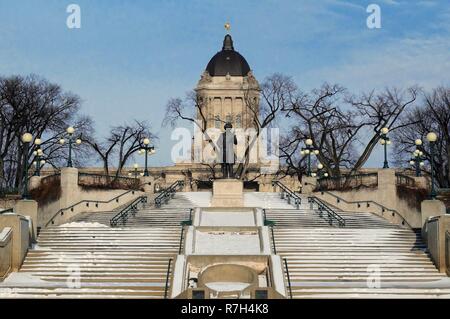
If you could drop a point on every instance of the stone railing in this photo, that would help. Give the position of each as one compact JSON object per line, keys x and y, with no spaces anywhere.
{"x":433,"y":240}
{"x":447,"y":251}
{"x":388,"y":199}
{"x":15,"y":239}
{"x":367,"y":180}
{"x":435,"y":231}
{"x":404,"y":180}
{"x":107,"y":182}
{"x":5,"y":252}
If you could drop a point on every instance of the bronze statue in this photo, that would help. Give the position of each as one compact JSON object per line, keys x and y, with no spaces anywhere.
{"x":228,"y":157}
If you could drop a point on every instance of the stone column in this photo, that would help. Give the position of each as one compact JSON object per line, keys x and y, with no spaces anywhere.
{"x":387,"y":189}
{"x":27,"y":207}
{"x":70,"y":193}
{"x":147,"y":182}
{"x":309,"y":184}
{"x":431,"y":208}
{"x":20,"y":238}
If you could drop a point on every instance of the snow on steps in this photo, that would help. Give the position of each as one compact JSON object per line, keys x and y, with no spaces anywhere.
{"x":321,"y":260}
{"x":117,"y":262}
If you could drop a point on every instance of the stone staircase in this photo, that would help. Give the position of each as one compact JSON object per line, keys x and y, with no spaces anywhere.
{"x":347,"y":262}
{"x":130,"y":261}
{"x":121,"y":262}
{"x":307,"y":218}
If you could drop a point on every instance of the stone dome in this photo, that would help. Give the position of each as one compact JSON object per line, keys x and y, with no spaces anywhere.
{"x":228,"y":61}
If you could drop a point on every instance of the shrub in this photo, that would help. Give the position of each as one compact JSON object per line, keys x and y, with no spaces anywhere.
{"x":48,"y":191}
{"x":412,"y":196}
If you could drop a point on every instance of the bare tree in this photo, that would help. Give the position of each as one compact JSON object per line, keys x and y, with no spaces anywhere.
{"x":276,"y":92}
{"x":341,"y":125}
{"x":120,"y":145}
{"x":32,"y":104}
{"x":191,"y":109}
{"x":431,"y":115}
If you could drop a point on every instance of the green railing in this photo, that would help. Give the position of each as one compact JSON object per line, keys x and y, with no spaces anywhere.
{"x":274,"y":246}
{"x":368,"y":203}
{"x":287,"y":194}
{"x":131,"y":208}
{"x":86,"y":202}
{"x":288,"y":277}
{"x":324,"y":208}
{"x":9,"y":210}
{"x":166,"y":288}
{"x":168,"y":193}
{"x":180,"y":246}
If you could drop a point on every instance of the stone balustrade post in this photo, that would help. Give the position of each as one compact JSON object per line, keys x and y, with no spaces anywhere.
{"x":70,"y":191}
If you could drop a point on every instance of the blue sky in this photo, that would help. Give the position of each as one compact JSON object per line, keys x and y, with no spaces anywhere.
{"x":130,"y":57}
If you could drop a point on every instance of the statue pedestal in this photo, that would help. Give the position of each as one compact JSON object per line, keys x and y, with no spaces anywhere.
{"x":228,"y":193}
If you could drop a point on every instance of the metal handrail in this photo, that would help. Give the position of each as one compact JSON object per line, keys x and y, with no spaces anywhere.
{"x":166,"y":288}
{"x":168,"y":193}
{"x":130,"y":208}
{"x":384,"y":208}
{"x":290,"y":194}
{"x":273,"y":241}
{"x":9,"y":210}
{"x":288,"y":277}
{"x":331,"y":214}
{"x":87,"y":201}
{"x":181,"y":240}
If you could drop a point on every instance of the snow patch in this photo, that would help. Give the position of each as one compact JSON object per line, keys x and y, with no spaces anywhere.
{"x":82,"y":224}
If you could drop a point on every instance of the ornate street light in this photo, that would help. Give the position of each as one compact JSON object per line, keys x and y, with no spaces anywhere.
{"x":417,"y":158}
{"x":321,"y":173}
{"x":385,"y":141}
{"x":309,"y":150}
{"x":432,"y":138}
{"x":146,"y":149}
{"x":38,"y":154}
{"x":135,"y":167}
{"x":70,"y":130}
{"x":26,"y":139}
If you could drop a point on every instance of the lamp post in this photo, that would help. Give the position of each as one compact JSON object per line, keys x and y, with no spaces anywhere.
{"x":385,"y":141}
{"x":70,"y":130}
{"x":308,"y":150}
{"x":432,"y":138}
{"x":135,"y":167}
{"x":26,"y":139}
{"x":417,"y":158}
{"x":320,"y":174}
{"x":320,"y":171}
{"x":38,"y":155}
{"x":146,"y":149}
